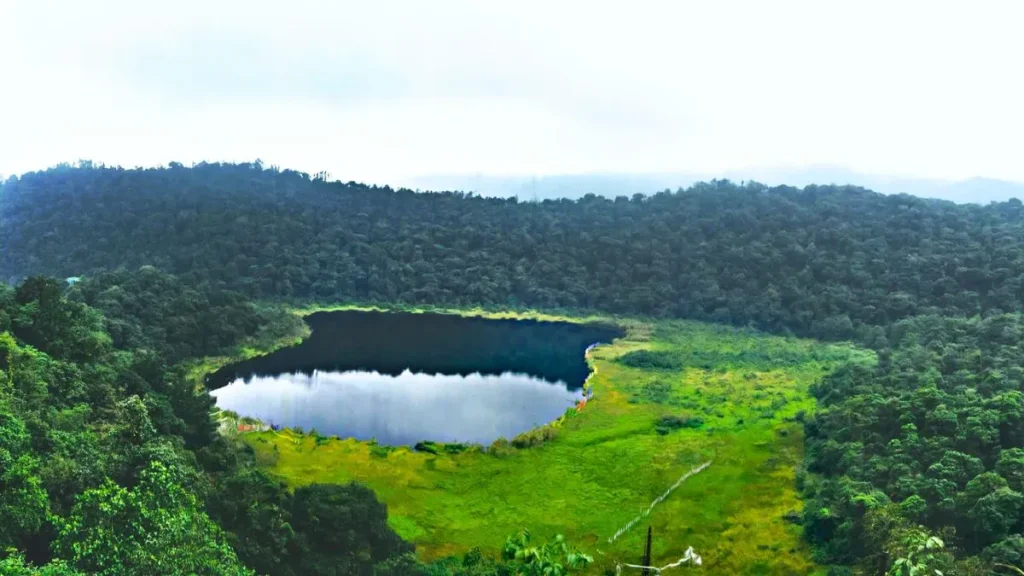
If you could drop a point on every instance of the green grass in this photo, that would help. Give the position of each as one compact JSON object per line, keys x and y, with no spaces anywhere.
{"x":495,"y":314}
{"x":609,"y":462}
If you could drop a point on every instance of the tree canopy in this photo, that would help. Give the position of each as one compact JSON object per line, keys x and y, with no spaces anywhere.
{"x":828,"y":261}
{"x":930,"y":437}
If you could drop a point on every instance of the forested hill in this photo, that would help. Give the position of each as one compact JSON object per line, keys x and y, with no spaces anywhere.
{"x":826,"y":261}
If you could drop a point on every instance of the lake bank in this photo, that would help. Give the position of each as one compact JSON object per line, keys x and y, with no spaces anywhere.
{"x":597,"y":470}
{"x":402,"y":378}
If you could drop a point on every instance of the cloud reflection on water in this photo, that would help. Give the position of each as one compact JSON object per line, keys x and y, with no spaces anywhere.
{"x":401,"y":409}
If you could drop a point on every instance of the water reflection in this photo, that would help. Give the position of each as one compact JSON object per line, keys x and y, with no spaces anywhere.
{"x":401,"y":409}
{"x":391,"y":343}
{"x":402,"y":378}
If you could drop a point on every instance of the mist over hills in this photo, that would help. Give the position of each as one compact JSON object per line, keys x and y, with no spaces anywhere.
{"x":976,"y":190}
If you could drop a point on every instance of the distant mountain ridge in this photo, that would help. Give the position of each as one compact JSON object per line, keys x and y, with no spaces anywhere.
{"x":972,"y":190}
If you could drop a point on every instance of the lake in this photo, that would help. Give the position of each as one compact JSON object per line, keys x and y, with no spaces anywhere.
{"x":401,"y":378}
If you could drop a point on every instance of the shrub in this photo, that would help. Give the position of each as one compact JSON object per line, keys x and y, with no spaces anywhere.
{"x":651,"y":360}
{"x":667,"y":424}
{"x":427,"y":446}
{"x":455,"y":447}
{"x":656,"y":392}
{"x":535,"y":437}
{"x":501,"y":447}
{"x":319,"y":438}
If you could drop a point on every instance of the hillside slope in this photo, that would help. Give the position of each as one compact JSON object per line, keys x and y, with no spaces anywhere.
{"x":819,"y":261}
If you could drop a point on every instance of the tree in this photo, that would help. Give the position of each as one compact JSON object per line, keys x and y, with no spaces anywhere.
{"x":923,"y":555}
{"x":255,"y":511}
{"x":994,"y":515}
{"x":341,"y":530}
{"x":23,"y":501}
{"x":1011,"y":467}
{"x":956,"y":467}
{"x":154,"y":528}
{"x":1008,"y":552}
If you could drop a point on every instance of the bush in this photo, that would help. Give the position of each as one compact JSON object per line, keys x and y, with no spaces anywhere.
{"x":455,"y":447}
{"x":655,"y":392}
{"x":535,"y":437}
{"x":319,"y":438}
{"x":651,"y":360}
{"x":667,"y":424}
{"x":428,"y":447}
{"x":501,"y":447}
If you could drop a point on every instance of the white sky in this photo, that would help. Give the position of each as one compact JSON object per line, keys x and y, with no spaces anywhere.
{"x":383,"y":90}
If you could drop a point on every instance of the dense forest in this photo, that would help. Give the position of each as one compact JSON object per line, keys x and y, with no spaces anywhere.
{"x":825,"y":261}
{"x":96,"y":408}
{"x":933,"y":438}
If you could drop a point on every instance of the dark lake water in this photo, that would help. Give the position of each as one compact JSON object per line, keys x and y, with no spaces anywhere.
{"x":401,"y":378}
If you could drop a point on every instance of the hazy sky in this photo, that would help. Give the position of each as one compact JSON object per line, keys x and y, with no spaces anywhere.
{"x":383,"y":90}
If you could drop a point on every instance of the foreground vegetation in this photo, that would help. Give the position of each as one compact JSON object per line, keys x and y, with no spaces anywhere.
{"x":731,"y":397}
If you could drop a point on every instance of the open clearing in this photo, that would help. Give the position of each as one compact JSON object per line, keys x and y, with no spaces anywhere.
{"x":737,"y":396}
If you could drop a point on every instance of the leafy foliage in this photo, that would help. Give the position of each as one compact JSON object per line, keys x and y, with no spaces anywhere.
{"x":932,"y":433}
{"x":342,"y":530}
{"x":15,"y":565}
{"x":157,"y":527}
{"x":519,"y":558}
{"x":152,"y":310}
{"x":553,"y":558}
{"x":923,"y":554}
{"x":23,"y":502}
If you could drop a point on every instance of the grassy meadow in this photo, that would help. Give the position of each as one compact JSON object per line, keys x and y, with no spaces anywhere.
{"x":668,"y":397}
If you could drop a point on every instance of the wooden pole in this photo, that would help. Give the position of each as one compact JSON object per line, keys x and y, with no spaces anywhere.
{"x":647,"y":553}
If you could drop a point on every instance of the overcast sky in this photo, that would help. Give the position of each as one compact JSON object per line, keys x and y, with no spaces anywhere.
{"x":380,"y":91}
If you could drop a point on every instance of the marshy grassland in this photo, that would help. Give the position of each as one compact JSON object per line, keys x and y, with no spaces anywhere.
{"x":668,"y":397}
